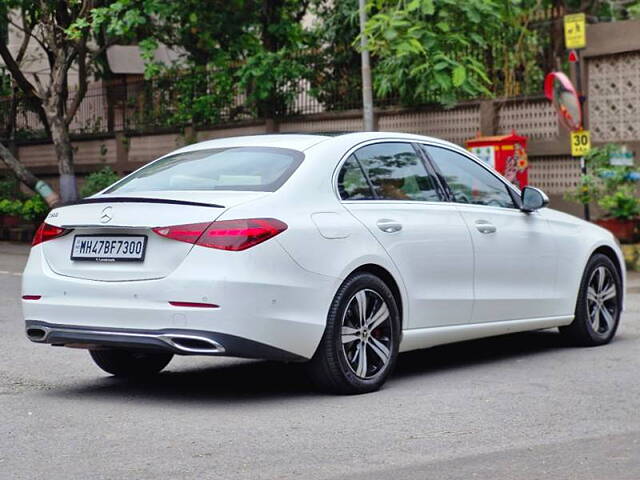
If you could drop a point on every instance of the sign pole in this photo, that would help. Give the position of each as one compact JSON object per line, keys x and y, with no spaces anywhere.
{"x":581,"y":98}
{"x":575,"y":39}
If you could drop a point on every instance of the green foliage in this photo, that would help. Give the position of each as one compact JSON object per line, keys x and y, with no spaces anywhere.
{"x":254,"y":43}
{"x":623,"y":203}
{"x":98,"y":181}
{"x":34,"y":208}
{"x":5,"y":83}
{"x":9,"y":188}
{"x":422,"y":48}
{"x":612,"y":187}
{"x":10,"y":206}
{"x":445,"y":50}
{"x":587,"y":191}
{"x":271,"y":80}
{"x":14,"y":202}
{"x":336,"y":79}
{"x":199,"y":97}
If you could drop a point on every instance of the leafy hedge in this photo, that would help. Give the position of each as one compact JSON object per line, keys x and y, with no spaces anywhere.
{"x":31,"y":209}
{"x":98,"y":181}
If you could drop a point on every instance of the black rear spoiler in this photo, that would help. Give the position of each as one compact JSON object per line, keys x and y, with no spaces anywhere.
{"x":139,"y":200}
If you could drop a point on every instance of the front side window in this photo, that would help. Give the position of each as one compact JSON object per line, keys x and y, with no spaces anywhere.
{"x":468,"y":181}
{"x":395,"y":172}
{"x":262,"y":169}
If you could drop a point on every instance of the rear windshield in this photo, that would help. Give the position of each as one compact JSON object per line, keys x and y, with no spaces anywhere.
{"x":262,"y":169}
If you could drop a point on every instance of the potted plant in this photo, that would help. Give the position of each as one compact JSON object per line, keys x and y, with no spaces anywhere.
{"x":612,"y":184}
{"x":623,"y":209}
{"x":34,"y":209}
{"x":10,"y":212}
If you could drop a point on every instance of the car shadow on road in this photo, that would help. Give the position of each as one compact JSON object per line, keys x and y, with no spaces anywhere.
{"x":260,"y":380}
{"x":476,"y":352}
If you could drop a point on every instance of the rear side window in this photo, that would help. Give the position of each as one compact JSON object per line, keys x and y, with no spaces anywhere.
{"x":393,"y":170}
{"x":262,"y":169}
{"x":352,"y":184}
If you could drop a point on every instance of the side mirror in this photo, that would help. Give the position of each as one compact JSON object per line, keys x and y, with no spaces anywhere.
{"x":533,"y":199}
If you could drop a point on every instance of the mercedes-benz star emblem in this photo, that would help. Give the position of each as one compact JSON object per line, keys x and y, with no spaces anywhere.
{"x":106,"y":215}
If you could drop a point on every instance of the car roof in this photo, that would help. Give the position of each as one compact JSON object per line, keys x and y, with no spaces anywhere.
{"x":303,"y":142}
{"x":292,"y":141}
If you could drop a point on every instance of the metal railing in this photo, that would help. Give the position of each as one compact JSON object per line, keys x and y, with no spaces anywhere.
{"x":208,"y":98}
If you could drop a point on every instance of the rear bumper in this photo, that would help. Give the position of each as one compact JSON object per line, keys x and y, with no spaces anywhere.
{"x":176,"y":341}
{"x":265,"y":299}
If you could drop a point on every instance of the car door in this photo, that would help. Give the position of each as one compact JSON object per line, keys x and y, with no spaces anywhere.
{"x":515,"y":259}
{"x":388,"y":187}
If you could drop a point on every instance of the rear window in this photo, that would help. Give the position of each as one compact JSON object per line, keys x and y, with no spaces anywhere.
{"x":262,"y":169}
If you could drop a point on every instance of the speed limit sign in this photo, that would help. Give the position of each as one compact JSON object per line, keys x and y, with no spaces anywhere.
{"x":580,"y":143}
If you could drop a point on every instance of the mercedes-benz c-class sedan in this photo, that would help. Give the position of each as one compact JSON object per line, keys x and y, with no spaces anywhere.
{"x":336,"y":251}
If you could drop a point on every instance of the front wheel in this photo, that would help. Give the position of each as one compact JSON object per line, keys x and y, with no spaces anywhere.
{"x":360,"y":345}
{"x":127,"y":363}
{"x":599,"y":304}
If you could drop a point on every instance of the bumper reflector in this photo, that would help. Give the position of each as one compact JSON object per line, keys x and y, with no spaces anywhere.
{"x":194,"y":305}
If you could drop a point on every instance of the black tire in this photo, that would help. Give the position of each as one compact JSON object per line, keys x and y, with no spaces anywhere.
{"x":330,"y":368}
{"x":127,"y":363}
{"x":581,"y":331}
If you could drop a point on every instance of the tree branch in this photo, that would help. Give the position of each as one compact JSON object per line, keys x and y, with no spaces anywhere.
{"x":82,"y":85}
{"x":28,"y":178}
{"x":25,"y":43}
{"x":15,"y":71}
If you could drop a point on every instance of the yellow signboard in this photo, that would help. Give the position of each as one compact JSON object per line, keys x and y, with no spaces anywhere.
{"x":575,"y":31}
{"x":580,"y":143}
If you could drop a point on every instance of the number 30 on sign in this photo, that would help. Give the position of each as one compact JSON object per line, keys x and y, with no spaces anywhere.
{"x":580,"y":143}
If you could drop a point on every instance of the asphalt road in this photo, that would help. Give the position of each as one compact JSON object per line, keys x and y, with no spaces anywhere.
{"x":522,"y":406}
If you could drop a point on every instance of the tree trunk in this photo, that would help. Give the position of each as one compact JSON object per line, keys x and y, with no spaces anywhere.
{"x":64,"y":154}
{"x":28,"y":178}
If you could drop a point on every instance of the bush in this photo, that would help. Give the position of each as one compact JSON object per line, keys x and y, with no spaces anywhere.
{"x":98,"y":181}
{"x":612,"y":187}
{"x":34,"y":208}
{"x":9,"y":188}
{"x":623,"y":203}
{"x":10,"y":207}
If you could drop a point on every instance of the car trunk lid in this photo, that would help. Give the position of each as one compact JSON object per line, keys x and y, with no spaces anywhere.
{"x":136,"y":214}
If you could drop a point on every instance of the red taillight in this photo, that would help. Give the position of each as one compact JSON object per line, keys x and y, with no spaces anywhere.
{"x":225,"y":235}
{"x":183,"y":233}
{"x":47,"y":232}
{"x":31,"y":297}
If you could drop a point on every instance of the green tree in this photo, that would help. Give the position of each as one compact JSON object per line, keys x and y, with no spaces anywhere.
{"x":60,"y":29}
{"x":256,"y":42}
{"x":336,"y":79}
{"x":422,"y":48}
{"x":97,"y":181}
{"x":445,"y":50}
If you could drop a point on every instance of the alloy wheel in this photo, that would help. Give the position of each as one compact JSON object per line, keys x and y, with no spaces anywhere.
{"x":602,"y":301}
{"x":367,"y":333}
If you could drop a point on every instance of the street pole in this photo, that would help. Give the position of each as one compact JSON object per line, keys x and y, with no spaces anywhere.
{"x":367,"y":94}
{"x":581,"y":98}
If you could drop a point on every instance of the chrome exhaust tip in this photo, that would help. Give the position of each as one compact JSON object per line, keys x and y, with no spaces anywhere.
{"x":192,"y":343}
{"x":37,"y":334}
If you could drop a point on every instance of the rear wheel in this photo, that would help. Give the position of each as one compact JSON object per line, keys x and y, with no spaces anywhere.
{"x":127,"y":363}
{"x":599,"y":304}
{"x":360,"y":345}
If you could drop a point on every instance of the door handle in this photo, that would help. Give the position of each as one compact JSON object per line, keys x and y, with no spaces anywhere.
{"x":388,"y":226}
{"x":485,"y":227}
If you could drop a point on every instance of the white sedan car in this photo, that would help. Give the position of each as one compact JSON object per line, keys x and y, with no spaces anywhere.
{"x":339,"y":251}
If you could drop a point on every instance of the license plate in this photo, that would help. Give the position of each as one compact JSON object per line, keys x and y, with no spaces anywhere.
{"x":109,"y":248}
